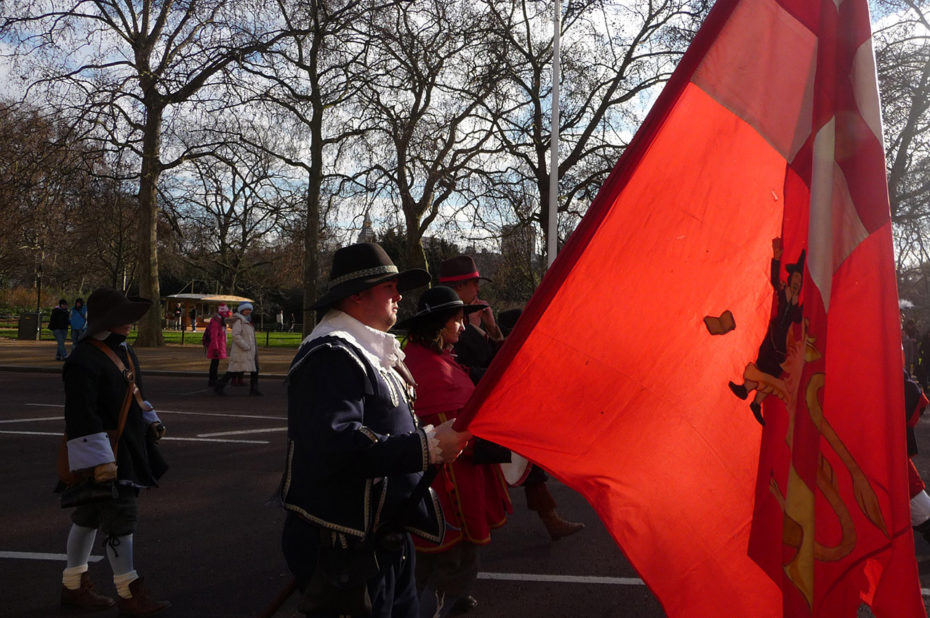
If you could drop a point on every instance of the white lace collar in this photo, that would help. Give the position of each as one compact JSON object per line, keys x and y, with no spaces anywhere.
{"x":382,"y":349}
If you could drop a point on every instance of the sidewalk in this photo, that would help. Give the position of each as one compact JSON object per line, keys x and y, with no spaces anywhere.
{"x":39,"y":356}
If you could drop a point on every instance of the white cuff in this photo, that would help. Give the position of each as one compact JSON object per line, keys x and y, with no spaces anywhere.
{"x":920,"y":508}
{"x":149,"y":416}
{"x":89,"y":451}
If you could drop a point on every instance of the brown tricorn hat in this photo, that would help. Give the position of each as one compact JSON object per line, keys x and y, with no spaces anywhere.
{"x":362,"y":266}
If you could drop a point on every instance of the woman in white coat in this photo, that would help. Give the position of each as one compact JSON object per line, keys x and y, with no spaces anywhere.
{"x":243,"y":350}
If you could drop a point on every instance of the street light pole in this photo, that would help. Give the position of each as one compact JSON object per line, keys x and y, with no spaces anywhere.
{"x":552,"y":229}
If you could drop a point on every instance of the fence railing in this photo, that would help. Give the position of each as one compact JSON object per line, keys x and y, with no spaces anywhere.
{"x":288,"y":338}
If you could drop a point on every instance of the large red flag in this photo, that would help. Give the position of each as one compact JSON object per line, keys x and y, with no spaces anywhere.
{"x":616,"y":377}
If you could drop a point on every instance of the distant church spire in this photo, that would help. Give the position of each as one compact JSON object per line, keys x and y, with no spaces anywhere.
{"x":367,"y":234}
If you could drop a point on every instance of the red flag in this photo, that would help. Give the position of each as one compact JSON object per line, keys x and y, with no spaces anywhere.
{"x":616,"y":376}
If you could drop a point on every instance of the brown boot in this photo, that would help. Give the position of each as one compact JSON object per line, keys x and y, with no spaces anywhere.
{"x":85,"y":597}
{"x":540,"y":500}
{"x":141,"y":604}
{"x":557,"y":527}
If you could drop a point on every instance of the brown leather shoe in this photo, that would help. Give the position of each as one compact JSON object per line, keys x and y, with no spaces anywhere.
{"x":557,"y":527}
{"x":141,"y":604}
{"x":85,"y":597}
{"x":464,"y":605}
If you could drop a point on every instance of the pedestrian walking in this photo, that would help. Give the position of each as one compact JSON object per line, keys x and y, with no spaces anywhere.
{"x":243,"y":351}
{"x":112,"y":435}
{"x":214,"y":342}
{"x":78,"y":319}
{"x":58,"y":323}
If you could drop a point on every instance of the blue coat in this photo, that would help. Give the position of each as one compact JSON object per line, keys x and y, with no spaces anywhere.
{"x":355,"y":453}
{"x":79,"y":318}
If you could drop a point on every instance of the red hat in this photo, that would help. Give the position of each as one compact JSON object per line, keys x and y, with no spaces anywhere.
{"x":459,"y":268}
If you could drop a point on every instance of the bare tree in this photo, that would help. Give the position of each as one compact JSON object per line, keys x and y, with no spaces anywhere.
{"x":43,"y":172}
{"x":903,"y":61}
{"x":613,"y":54}
{"x":310,"y":84}
{"x":228,"y":209}
{"x":123,"y":67}
{"x":436,"y":68}
{"x":103,"y":239}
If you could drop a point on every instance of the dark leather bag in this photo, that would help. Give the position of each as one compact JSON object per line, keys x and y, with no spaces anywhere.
{"x":88,"y":492}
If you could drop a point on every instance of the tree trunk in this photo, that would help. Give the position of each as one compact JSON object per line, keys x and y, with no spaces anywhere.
{"x":314,"y":185}
{"x":414,"y":255}
{"x":311,"y":248}
{"x":150,"y":325}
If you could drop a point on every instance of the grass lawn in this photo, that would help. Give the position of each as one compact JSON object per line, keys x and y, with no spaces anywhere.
{"x":265,"y":339}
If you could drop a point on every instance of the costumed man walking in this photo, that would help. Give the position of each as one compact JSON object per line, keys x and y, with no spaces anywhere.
{"x":214,"y":342}
{"x":475,"y":349}
{"x":102,"y":385}
{"x":353,"y":485}
{"x":243,"y":352}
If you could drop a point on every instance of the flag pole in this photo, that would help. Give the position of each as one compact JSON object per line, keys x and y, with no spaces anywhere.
{"x":552,"y":229}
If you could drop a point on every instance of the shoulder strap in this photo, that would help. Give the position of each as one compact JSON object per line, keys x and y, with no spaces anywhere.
{"x":404,"y":372}
{"x":131,"y":391}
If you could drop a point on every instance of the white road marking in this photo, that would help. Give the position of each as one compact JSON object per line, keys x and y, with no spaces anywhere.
{"x":29,"y":420}
{"x":563,"y":579}
{"x":28,"y":555}
{"x":241,"y":432}
{"x":220,"y":414}
{"x":523,"y":577}
{"x":32,"y":433}
{"x":583,"y":579}
{"x":176,"y":439}
{"x":172,"y":439}
{"x":160,"y":411}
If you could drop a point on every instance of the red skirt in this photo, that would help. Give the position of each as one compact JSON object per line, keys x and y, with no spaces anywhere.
{"x":474,"y":499}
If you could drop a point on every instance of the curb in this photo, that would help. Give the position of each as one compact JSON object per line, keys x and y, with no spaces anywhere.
{"x":22,"y":369}
{"x":147,"y":372}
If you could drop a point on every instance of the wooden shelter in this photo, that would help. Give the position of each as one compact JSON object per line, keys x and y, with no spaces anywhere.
{"x":203,"y":306}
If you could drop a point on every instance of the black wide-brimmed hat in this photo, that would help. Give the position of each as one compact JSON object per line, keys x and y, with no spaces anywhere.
{"x":797,"y":267}
{"x":362,"y":266}
{"x":459,"y":268}
{"x":434,"y":301}
{"x":107,"y":308}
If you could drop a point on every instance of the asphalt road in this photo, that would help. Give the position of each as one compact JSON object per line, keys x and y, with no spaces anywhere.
{"x":208,"y":540}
